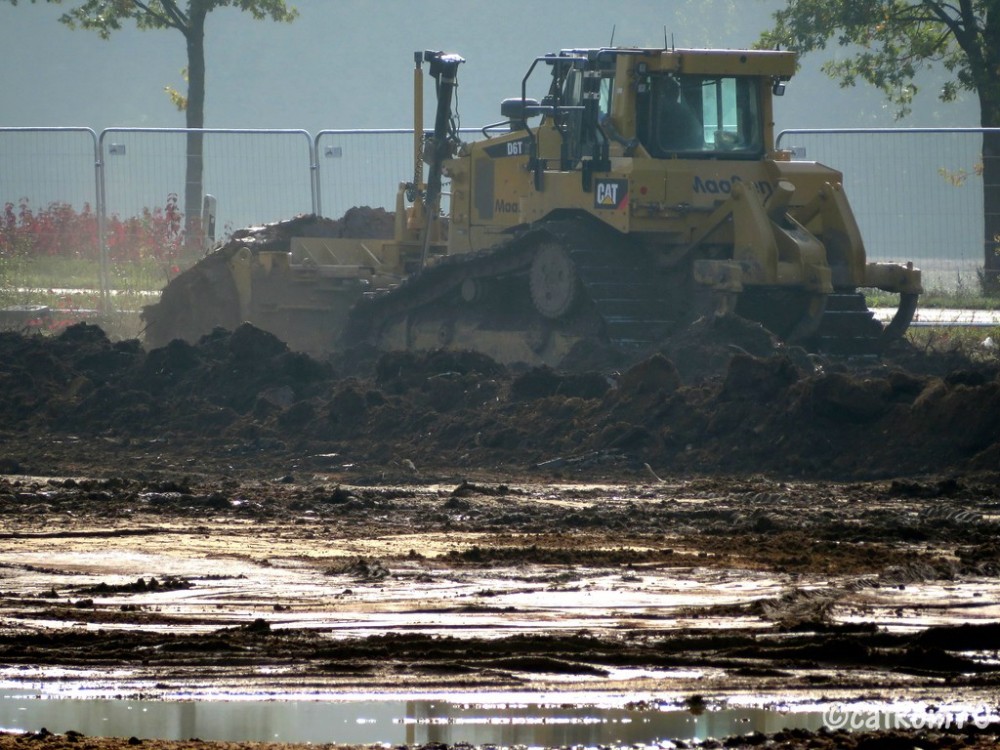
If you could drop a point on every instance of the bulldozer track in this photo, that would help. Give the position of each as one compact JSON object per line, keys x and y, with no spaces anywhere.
{"x":850,"y":328}
{"x":432,"y":284}
{"x":627,"y":298}
{"x":622,"y":291}
{"x":628,"y":302}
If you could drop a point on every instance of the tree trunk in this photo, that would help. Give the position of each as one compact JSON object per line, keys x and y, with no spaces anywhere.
{"x":193,"y":230}
{"x":988,"y":87}
{"x":991,"y":214}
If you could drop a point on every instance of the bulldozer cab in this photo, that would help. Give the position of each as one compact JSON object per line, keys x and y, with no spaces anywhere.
{"x":649,"y":104}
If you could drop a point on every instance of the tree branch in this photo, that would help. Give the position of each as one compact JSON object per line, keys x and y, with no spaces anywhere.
{"x":175,"y":18}
{"x":958,"y":25}
{"x":174,"y":10}
{"x":967,"y":32}
{"x":153,"y":14}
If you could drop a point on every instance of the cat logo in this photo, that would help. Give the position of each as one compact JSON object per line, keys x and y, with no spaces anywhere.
{"x":611,"y":194}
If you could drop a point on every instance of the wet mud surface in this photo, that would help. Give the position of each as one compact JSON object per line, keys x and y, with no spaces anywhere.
{"x":700,"y":586}
{"x":715,"y":519}
{"x":787,"y":740}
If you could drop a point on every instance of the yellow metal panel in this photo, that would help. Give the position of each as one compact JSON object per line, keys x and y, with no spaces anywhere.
{"x":737,"y":62}
{"x":893,"y":277}
{"x":766,"y":63}
{"x":608,"y":199}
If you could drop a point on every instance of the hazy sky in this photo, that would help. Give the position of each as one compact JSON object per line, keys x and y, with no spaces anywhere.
{"x":347,"y":63}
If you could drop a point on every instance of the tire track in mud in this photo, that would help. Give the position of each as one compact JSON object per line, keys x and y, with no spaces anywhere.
{"x":85,"y":534}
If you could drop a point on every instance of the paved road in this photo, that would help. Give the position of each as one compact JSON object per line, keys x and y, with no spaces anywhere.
{"x":932,"y":316}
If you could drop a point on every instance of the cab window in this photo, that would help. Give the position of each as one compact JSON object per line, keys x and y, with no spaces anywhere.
{"x":701,"y":116}
{"x":607,"y":86}
{"x":580,"y":137}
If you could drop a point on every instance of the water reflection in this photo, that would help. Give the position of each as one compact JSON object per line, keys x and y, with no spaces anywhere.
{"x":395,"y":722}
{"x":587,"y":725}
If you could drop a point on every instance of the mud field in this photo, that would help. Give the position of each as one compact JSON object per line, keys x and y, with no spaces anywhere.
{"x":725,"y":517}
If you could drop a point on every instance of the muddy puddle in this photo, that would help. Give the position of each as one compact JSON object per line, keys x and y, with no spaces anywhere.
{"x":542,"y":614}
{"x":504,"y":720}
{"x":180,"y":578}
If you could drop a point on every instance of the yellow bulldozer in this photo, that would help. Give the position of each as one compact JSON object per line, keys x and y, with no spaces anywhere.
{"x":640,"y":193}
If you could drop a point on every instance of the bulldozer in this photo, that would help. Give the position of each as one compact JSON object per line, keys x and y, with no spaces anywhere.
{"x":639,"y":193}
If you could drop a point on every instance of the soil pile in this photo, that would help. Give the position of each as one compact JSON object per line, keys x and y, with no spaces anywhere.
{"x":748,"y":406}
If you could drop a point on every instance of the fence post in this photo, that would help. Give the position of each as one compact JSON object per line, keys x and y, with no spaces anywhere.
{"x":317,"y":189}
{"x":104,"y":305}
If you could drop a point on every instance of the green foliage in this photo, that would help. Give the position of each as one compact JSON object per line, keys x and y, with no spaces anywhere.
{"x":11,"y":263}
{"x":44,"y":275}
{"x":963,"y":297}
{"x":176,"y":97}
{"x":107,"y":16}
{"x":974,"y":344}
{"x":888,"y":42}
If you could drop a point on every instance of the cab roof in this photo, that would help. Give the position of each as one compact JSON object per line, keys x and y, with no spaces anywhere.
{"x":753,"y":62}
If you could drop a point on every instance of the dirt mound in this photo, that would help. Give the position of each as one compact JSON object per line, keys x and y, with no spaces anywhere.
{"x":706,"y":347}
{"x":245,"y":392}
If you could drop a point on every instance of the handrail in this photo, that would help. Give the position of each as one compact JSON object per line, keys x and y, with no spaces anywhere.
{"x":876,"y":131}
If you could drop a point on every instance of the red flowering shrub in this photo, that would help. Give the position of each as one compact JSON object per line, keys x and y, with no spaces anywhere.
{"x":60,"y":230}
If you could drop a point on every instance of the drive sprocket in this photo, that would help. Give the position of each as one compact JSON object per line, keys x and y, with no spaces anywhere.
{"x":553,"y":281}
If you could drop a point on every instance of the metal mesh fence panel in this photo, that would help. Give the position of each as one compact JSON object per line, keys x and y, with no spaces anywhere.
{"x":362,"y":168}
{"x":366,"y":167}
{"x":256,"y":176}
{"x":44,"y":166}
{"x":48,"y":219}
{"x":917,"y":194}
